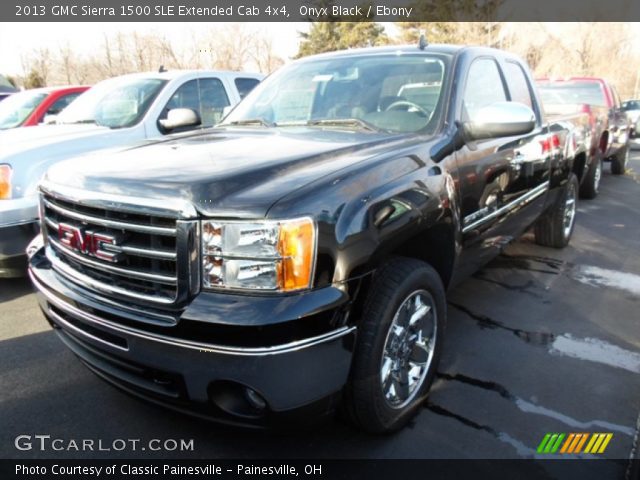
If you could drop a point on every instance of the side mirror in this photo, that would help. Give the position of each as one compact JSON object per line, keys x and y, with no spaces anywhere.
{"x":500,"y":119}
{"x":180,"y":117}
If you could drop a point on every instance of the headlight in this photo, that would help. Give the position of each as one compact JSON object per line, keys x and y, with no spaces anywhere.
{"x":5,"y":182}
{"x":266,"y":255}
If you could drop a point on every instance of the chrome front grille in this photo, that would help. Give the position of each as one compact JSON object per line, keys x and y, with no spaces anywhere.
{"x":119,"y":250}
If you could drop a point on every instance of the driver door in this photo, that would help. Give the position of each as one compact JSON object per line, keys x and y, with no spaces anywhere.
{"x":494,"y":176}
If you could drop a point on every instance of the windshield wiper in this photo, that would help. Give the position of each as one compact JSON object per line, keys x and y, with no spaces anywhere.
{"x":252,"y":121}
{"x":344,"y":122}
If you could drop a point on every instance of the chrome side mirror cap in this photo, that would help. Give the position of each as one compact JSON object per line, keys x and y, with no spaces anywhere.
{"x":500,"y":119}
{"x":180,"y":117}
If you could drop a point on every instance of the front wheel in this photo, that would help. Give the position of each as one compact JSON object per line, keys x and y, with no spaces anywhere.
{"x":555,"y":227}
{"x":398,"y":347}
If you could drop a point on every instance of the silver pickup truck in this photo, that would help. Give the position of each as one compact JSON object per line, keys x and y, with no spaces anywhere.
{"x":114,"y":114}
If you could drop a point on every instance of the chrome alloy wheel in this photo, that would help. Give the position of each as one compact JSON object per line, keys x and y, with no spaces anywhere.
{"x":569,"y":209}
{"x":408,"y":349}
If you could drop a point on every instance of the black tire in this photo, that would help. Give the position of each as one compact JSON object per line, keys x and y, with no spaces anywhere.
{"x":591,"y":184}
{"x":552,"y":230}
{"x":397,"y":282}
{"x":619,"y":161}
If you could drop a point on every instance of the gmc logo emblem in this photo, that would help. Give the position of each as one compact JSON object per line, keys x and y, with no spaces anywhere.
{"x":87,"y":242}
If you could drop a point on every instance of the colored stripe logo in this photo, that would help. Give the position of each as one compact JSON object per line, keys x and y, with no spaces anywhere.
{"x":574,"y":443}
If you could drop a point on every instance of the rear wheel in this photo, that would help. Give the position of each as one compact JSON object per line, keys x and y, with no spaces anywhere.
{"x":398,"y":348}
{"x":591,"y":184}
{"x":555,"y":227}
{"x":619,"y":161}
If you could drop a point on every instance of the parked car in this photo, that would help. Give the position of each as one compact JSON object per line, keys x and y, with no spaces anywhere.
{"x":632,"y":109}
{"x":598,"y":98}
{"x":115,"y":113}
{"x":298,"y":254}
{"x":6,"y":88}
{"x":32,"y":107}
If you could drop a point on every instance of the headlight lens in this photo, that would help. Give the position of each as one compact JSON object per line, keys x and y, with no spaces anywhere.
{"x":266,"y":255}
{"x":5,"y":182}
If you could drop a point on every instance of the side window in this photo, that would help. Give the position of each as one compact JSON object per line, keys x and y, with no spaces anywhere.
{"x":484,"y":87}
{"x":207,"y":96}
{"x":61,"y":104}
{"x":214,"y":99}
{"x":245,"y":85}
{"x":518,"y":84}
{"x":186,"y":96}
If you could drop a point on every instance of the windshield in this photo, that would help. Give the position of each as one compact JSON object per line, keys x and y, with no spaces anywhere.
{"x":395,"y":93}
{"x":631,"y":105}
{"x":589,"y":93}
{"x":115,"y":103}
{"x":15,"y":109}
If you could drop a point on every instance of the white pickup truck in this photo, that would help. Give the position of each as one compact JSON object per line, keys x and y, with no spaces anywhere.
{"x":116,"y":113}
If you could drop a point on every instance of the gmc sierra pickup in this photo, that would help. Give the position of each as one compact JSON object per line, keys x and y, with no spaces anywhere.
{"x":296,"y":257}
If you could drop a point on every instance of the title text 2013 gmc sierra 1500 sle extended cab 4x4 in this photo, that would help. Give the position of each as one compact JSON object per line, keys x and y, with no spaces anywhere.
{"x":298,"y":254}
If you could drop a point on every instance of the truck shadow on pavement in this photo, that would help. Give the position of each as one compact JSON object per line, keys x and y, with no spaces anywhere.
{"x":12,"y":288}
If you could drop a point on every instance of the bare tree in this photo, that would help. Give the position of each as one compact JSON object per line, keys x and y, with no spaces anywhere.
{"x":263,"y":55}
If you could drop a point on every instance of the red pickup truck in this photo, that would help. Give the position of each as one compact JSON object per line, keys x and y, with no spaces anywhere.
{"x":599,"y":100}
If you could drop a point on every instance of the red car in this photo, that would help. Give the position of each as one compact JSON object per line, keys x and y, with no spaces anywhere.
{"x":28,"y":108}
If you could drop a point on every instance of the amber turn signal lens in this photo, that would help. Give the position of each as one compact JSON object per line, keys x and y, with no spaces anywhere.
{"x":5,"y":182}
{"x":297,"y":248}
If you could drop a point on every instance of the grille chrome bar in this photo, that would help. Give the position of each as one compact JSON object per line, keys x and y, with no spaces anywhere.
{"x":82,"y":279}
{"x":125,"y":272}
{"x":110,"y":223}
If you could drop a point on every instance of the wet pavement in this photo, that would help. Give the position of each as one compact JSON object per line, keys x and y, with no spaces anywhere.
{"x":539,"y":341}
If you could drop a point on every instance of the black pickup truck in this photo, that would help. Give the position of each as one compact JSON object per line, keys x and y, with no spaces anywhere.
{"x":296,"y":257}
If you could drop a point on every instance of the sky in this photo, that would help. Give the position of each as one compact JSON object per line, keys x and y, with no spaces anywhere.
{"x":17,"y":39}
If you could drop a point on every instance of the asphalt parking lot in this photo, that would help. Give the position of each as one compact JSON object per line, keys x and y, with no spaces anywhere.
{"x":538,"y":341}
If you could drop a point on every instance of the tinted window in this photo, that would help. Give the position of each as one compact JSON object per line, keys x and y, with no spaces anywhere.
{"x":518,"y":84}
{"x":214,"y":98}
{"x":245,"y":85}
{"x":484,"y":86}
{"x":631,"y":105}
{"x":207,"y":96}
{"x":61,"y":103}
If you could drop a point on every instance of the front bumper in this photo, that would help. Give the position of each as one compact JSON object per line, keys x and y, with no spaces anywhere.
{"x":202,"y":378}
{"x":18,"y":225}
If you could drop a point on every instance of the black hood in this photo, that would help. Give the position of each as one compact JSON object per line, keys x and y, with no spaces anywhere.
{"x":227,"y":171}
